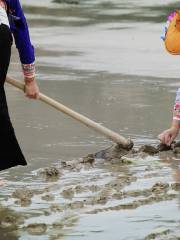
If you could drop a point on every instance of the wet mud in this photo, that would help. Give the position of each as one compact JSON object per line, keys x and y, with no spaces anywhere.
{"x":118,"y":152}
{"x":105,"y":191}
{"x":9,"y":223}
{"x":36,"y":229}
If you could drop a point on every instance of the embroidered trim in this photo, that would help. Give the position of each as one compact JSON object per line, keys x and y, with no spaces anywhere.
{"x":169,"y":20}
{"x":176,"y":118}
{"x":28,"y":70}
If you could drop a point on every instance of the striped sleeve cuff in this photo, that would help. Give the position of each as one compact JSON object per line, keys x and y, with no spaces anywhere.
{"x":176,"y":118}
{"x":28,"y":70}
{"x":176,"y":113}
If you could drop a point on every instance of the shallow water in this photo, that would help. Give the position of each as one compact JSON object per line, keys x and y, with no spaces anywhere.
{"x":104,"y":59}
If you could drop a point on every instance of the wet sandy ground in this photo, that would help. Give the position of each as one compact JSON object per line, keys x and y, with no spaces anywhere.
{"x":128,"y":83}
{"x":94,"y":195}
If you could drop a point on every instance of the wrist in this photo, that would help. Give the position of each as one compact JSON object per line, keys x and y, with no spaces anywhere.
{"x":28,"y":71}
{"x":175,"y":125}
{"x":29,"y":80}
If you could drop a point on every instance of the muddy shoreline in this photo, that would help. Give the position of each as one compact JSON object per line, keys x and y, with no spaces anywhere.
{"x":92,"y":198}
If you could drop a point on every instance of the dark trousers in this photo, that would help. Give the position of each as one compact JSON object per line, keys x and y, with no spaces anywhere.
{"x":10,"y":152}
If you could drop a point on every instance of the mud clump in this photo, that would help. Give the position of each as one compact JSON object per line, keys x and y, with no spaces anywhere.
{"x":36,"y":228}
{"x":120,"y":182}
{"x":113,"y":152}
{"x":103,"y":197}
{"x":51,"y":173}
{"x":48,"y":197}
{"x":137,"y":193}
{"x":56,"y":208}
{"x":58,"y":225}
{"x":118,"y":196}
{"x":162,"y":148}
{"x":80,"y":189}
{"x":101,"y":200}
{"x":68,"y":193}
{"x":23,"y":193}
{"x":159,"y":235}
{"x":137,"y":203}
{"x":73,"y":165}
{"x":90,"y":158}
{"x":176,"y":150}
{"x":176,"y":186}
{"x":9,"y":223}
{"x":76,"y":205}
{"x":94,"y":188}
{"x":24,"y":196}
{"x":24,"y":202}
{"x":160,"y":187}
{"x":9,"y":220}
{"x":148,"y":149}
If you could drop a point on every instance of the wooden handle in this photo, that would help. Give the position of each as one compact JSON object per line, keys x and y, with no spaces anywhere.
{"x":79,"y":117}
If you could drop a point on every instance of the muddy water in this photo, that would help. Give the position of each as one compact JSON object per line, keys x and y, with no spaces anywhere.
{"x":104,"y":59}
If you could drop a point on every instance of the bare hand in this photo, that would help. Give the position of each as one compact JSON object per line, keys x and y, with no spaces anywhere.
{"x":168,"y":136}
{"x":31,"y":89}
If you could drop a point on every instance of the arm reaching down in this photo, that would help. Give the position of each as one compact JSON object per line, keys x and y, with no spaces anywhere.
{"x":19,"y":28}
{"x":169,"y":135}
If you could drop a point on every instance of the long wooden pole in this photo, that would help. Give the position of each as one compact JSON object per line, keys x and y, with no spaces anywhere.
{"x":126,"y":143}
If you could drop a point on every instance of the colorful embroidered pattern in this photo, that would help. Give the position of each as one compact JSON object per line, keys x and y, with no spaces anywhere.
{"x":28,"y":70}
{"x":169,"y":20}
{"x":177,"y":106}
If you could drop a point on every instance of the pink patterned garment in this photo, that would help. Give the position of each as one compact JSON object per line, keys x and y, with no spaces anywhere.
{"x":169,"y":20}
{"x":171,"y":17}
{"x":176,"y":115}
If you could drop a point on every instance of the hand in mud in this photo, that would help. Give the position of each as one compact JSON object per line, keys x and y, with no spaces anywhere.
{"x":168,"y":136}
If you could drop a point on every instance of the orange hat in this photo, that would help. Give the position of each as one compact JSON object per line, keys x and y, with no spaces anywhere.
{"x":172,"y":41}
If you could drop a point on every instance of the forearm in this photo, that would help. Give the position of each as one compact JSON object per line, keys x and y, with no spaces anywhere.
{"x":175,"y":124}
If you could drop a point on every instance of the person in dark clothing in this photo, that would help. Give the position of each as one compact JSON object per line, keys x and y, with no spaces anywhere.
{"x":12,"y":21}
